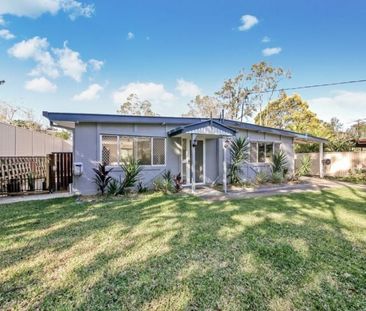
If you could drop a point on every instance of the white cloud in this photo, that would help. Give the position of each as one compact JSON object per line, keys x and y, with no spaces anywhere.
{"x":187,"y":88}
{"x":345,"y":105}
{"x":40,"y":85}
{"x":248,"y":21}
{"x":271,"y":51}
{"x":130,"y":36}
{"x":35,"y":8}
{"x":95,"y":64}
{"x":6,"y":34}
{"x":37,"y":50}
{"x":266,"y":39}
{"x":77,"y":9}
{"x":151,"y":91}
{"x":70,"y":62}
{"x":2,"y":21}
{"x":91,"y":93}
{"x":28,"y":48}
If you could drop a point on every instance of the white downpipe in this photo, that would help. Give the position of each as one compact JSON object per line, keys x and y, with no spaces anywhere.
{"x":321,"y":156}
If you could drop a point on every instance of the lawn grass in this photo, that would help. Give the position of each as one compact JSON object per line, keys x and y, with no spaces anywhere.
{"x":297,"y":252}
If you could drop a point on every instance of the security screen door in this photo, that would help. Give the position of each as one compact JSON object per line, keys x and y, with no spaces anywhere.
{"x":186,"y":162}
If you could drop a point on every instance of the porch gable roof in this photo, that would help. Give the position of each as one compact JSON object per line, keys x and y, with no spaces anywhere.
{"x":207,"y":127}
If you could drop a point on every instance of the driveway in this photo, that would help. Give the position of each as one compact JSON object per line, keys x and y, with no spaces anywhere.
{"x":308,"y":184}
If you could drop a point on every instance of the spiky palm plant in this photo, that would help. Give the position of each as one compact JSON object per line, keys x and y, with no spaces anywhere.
{"x":102,"y":177}
{"x":239,"y":148}
{"x":131,"y":169}
{"x":279,"y":163}
{"x":305,"y":166}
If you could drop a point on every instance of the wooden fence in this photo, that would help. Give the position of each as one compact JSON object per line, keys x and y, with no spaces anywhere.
{"x":340,"y":162}
{"x":16,"y":141}
{"x":23,"y":174}
{"x":20,"y":175}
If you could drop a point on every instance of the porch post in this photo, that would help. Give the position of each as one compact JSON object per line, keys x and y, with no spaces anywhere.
{"x":321,"y":156}
{"x":224,"y":177}
{"x":193,"y":166}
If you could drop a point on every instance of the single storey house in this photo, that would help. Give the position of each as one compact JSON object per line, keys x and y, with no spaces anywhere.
{"x":194,"y":147}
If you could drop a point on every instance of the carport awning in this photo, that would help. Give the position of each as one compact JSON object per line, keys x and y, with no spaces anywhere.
{"x":208,"y":127}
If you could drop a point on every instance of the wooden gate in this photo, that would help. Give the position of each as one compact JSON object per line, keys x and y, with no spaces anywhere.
{"x":60,"y":171}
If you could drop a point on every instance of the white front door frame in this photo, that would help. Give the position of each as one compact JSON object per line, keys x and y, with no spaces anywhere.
{"x":189,"y":160}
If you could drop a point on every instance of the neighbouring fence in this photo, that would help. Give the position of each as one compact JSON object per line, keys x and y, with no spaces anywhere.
{"x":340,"y":162}
{"x":16,"y":141}
{"x":19,"y":175}
{"x":23,"y":174}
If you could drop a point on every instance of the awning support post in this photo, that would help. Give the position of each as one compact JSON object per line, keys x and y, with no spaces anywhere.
{"x":224,"y":177}
{"x":321,"y":157}
{"x":193,"y":166}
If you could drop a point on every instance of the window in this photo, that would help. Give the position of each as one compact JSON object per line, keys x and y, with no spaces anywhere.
{"x":125,"y":148}
{"x":262,"y":152}
{"x":143,"y":150}
{"x":277,"y":147}
{"x":269,"y":152}
{"x":147,"y":150}
{"x":109,"y":150}
{"x":253,"y":152}
{"x":158,"y":151}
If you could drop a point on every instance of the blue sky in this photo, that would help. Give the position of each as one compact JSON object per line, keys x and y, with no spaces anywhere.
{"x":87,"y":56}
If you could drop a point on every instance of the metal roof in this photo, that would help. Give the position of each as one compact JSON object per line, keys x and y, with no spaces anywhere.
{"x":68,"y":120}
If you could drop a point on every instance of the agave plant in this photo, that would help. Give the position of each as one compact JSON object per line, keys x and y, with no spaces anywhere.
{"x":165,"y":183}
{"x":131,"y":170}
{"x":239,"y":148}
{"x":102,"y":177}
{"x":305,"y":166}
{"x":279,"y":163}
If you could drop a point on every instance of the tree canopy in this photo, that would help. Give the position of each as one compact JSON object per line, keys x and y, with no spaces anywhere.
{"x":293,"y":113}
{"x":204,"y":106}
{"x":135,"y":106}
{"x":243,"y":95}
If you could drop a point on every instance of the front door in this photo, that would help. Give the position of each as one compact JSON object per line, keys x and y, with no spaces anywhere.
{"x":187,"y":162}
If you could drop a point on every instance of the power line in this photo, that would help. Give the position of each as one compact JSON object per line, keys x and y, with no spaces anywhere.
{"x":311,"y":86}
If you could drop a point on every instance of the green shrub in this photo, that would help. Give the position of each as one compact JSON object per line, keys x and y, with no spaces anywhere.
{"x":113,"y":186}
{"x":141,"y":188}
{"x":279,"y":163}
{"x":239,"y":148}
{"x":305,"y":166}
{"x":131,"y":170}
{"x":277,"y":178}
{"x":261,"y":178}
{"x":165,"y":183}
{"x":102,"y":177}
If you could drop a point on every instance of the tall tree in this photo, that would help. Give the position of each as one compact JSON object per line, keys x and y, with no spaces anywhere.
{"x":204,"y":106}
{"x":234,"y":94}
{"x":265,"y":79}
{"x":244,"y":94}
{"x":293,"y":113}
{"x":134,"y":106}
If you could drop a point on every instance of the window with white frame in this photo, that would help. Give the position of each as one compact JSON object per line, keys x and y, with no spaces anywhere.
{"x":262,"y":152}
{"x":147,"y":150}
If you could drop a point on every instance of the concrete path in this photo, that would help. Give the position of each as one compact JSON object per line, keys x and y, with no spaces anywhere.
{"x":35,"y":197}
{"x":308,"y":184}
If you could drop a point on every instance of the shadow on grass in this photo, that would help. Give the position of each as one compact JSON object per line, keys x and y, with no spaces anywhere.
{"x":178,"y":252}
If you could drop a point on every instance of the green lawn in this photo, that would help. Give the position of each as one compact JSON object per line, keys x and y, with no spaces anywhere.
{"x":297,"y":252}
